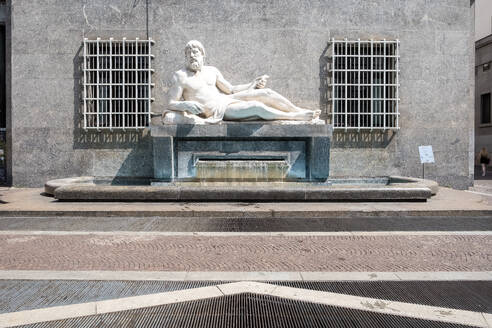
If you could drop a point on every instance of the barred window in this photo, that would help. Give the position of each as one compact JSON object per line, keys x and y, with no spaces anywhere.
{"x":364,"y":84}
{"x":117,"y":83}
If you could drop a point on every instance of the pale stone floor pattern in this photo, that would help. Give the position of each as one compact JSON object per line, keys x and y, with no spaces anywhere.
{"x":125,"y":252}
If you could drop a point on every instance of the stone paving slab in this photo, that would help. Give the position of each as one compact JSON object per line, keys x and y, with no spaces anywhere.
{"x":448,"y":202}
{"x":246,"y":253}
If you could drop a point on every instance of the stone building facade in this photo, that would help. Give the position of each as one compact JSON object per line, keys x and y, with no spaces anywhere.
{"x":286,"y":39}
{"x":483,"y":92}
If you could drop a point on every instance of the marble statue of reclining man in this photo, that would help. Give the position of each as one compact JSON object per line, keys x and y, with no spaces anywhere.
{"x":200,"y":94}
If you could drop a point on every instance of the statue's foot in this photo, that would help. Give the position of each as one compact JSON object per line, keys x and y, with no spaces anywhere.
{"x":312,"y":114}
{"x":307,"y":115}
{"x":316,"y":113}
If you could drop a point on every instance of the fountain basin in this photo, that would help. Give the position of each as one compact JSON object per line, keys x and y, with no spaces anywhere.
{"x":247,"y":161}
{"x":336,"y":189}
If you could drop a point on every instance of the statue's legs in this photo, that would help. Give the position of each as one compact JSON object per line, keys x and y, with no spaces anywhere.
{"x":245,"y":110}
{"x":171,"y":117}
{"x":269,"y":98}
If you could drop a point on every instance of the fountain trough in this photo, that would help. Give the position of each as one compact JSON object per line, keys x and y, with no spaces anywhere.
{"x":257,"y":161}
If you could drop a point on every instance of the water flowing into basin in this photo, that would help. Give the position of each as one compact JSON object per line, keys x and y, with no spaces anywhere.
{"x":241,"y":170}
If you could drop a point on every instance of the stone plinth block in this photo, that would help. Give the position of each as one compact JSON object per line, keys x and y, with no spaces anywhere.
{"x":258,"y":151}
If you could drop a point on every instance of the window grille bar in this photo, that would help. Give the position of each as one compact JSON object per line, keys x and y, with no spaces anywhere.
{"x":384,"y":87}
{"x":120,"y":84}
{"x":333,"y":82}
{"x":97,"y":81}
{"x":115,"y":70}
{"x":118,"y":55}
{"x":358,"y":84}
{"x":367,"y":84}
{"x":85,"y":84}
{"x":110,"y":82}
{"x":123,"y":81}
{"x":346,"y":79}
{"x":354,"y":128}
{"x":397,"y":81}
{"x":364,"y":56}
{"x":372,"y":81}
{"x":149,"y":84}
{"x":367,"y":98}
{"x":127,"y":98}
{"x":136,"y":88}
{"x":365,"y":70}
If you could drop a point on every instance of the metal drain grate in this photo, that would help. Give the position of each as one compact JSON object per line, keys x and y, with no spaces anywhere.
{"x":232,"y":224}
{"x":18,"y":295}
{"x":464,"y":295}
{"x":244,"y":310}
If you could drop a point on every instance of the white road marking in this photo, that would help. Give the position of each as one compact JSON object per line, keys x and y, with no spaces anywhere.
{"x":444,"y":276}
{"x":244,"y":276}
{"x":233,"y":233}
{"x":488,"y":319}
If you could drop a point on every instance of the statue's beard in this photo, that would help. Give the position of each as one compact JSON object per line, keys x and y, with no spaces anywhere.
{"x":194,"y":65}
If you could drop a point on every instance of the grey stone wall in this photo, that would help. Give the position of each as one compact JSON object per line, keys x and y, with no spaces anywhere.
{"x":285,"y":39}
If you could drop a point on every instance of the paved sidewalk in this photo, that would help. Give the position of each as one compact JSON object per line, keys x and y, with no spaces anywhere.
{"x":51,"y":251}
{"x":448,"y":202}
{"x":484,"y":185}
{"x":127,"y":252}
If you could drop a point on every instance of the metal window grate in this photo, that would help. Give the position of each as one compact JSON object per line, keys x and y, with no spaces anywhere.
{"x":365,"y":84}
{"x":117,"y":83}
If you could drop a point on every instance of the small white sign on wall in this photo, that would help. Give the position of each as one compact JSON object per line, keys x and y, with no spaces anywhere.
{"x":426,"y":154}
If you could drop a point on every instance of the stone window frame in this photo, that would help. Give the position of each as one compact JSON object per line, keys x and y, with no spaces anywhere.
{"x":117,"y":84}
{"x":364,"y":84}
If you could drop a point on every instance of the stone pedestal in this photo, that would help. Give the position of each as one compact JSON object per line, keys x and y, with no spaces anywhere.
{"x":302,"y":151}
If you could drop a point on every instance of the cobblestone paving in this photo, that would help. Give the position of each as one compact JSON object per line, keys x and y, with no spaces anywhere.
{"x":246,"y":253}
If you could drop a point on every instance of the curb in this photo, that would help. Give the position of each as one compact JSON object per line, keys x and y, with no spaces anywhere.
{"x":250,"y":214}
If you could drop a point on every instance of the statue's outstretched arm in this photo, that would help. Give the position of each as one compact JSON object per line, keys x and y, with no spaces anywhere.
{"x":228,"y":88}
{"x":175,"y":103}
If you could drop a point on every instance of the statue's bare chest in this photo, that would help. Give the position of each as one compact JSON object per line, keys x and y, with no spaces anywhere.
{"x":200,"y":81}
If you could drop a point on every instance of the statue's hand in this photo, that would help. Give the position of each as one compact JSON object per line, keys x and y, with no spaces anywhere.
{"x":260,"y":82}
{"x":195,"y":107}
